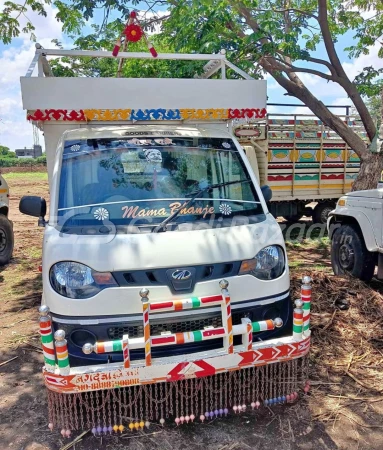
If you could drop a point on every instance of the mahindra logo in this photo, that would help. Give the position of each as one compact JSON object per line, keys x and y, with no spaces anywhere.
{"x":181,"y":275}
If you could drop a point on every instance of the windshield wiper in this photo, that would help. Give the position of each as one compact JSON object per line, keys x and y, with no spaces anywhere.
{"x":194,"y":196}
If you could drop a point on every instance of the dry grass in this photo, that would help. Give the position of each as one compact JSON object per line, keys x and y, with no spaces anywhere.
{"x":347,"y":349}
{"x":343,"y":410}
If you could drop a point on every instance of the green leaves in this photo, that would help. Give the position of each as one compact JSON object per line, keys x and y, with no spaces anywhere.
{"x":369,"y":82}
{"x":13,"y":13}
{"x":71,"y":18}
{"x":283,"y":33}
{"x":6,"y":152}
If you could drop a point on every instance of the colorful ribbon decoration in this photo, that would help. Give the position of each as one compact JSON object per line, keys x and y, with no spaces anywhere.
{"x":108,"y":115}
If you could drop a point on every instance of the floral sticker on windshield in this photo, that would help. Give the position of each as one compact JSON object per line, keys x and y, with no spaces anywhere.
{"x":75,"y":148}
{"x":101,"y":214}
{"x":225,"y":209}
{"x":226,"y":145}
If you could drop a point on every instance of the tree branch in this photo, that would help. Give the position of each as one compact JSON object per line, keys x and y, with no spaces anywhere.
{"x":294,"y":86}
{"x":287,"y":29}
{"x":290,"y":68}
{"x":327,"y":37}
{"x":241,"y":8}
{"x":158,"y":19}
{"x":319,"y":109}
{"x":317,"y":61}
{"x":21,"y":10}
{"x":321,"y":61}
{"x":232,"y":26}
{"x":282,"y":11}
{"x":343,"y":79}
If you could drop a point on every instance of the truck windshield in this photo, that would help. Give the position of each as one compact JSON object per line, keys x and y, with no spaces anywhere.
{"x":141,"y":181}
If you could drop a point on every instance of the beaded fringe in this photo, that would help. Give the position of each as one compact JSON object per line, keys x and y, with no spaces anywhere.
{"x":134,"y":407}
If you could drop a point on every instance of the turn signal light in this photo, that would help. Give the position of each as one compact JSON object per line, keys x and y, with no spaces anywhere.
{"x":105,"y":278}
{"x":247,"y":266}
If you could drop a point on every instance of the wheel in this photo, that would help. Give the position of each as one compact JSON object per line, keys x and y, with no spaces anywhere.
{"x":349,"y":254}
{"x":6,"y":240}
{"x":321,"y":212}
{"x":294,"y":218}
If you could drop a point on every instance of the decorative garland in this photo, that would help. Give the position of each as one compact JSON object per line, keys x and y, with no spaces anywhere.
{"x":133,"y":32}
{"x":107,"y":115}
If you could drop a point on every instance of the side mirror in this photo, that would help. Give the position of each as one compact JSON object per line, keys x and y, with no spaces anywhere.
{"x":267,"y":193}
{"x":34,"y":206}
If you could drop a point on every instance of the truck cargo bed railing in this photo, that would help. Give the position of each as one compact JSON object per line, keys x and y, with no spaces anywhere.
{"x":216,"y":62}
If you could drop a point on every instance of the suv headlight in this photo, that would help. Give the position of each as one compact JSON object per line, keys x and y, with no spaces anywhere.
{"x":75,"y":280}
{"x":268,"y":264}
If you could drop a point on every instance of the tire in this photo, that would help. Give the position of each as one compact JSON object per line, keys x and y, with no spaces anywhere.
{"x":293,"y":219}
{"x":349,"y":255}
{"x":321,"y":212}
{"x":6,"y":240}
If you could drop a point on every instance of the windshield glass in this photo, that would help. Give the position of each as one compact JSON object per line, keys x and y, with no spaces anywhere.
{"x":143,"y":180}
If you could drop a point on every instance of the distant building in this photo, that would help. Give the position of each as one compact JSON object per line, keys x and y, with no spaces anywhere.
{"x":33,"y":152}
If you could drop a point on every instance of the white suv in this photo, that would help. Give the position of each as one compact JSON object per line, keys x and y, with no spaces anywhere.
{"x":355,"y":229}
{"x":6,"y":229}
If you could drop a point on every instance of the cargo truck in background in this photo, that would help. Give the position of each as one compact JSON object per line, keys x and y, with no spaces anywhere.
{"x":166,"y":288}
{"x":306,"y":164}
{"x":6,"y":228}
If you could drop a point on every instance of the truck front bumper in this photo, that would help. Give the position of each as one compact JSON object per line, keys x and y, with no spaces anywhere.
{"x":187,"y":384}
{"x":175,"y":368}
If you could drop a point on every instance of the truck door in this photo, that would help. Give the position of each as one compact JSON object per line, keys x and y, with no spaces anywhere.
{"x":253,"y":139}
{"x":252,"y":157}
{"x":257,"y":157}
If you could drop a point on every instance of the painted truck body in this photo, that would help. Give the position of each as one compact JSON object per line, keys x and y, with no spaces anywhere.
{"x":303,"y":161}
{"x":133,"y":302}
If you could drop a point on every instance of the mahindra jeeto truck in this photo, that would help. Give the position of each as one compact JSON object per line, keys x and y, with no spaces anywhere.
{"x":166,"y":284}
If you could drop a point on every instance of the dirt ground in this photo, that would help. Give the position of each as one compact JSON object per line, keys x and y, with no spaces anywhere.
{"x":344,"y":409}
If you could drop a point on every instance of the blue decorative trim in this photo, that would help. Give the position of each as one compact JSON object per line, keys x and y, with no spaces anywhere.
{"x":155,"y":114}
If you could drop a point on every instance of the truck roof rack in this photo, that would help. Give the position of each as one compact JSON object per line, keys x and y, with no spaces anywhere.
{"x":81,"y":99}
{"x":215,"y":63}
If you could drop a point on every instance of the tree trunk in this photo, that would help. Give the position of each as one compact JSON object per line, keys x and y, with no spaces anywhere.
{"x":371,"y":166}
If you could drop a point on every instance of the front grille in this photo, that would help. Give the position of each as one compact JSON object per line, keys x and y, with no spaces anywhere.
{"x":159,"y":277}
{"x":194,"y":324}
{"x":177,"y":323}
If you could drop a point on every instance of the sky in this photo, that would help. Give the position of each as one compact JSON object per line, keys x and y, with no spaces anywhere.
{"x":16,"y":132}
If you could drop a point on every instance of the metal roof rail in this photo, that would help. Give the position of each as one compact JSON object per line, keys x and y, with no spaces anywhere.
{"x":215,"y":63}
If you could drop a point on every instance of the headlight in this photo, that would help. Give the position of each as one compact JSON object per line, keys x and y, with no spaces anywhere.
{"x":75,"y":280}
{"x":268,"y":264}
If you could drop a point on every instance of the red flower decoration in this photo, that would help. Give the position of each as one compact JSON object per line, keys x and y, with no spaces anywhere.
{"x":133,"y":33}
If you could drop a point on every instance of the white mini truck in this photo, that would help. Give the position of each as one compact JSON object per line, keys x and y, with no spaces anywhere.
{"x":355,"y":229}
{"x":166,"y":284}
